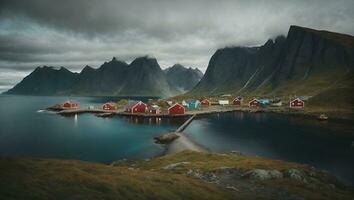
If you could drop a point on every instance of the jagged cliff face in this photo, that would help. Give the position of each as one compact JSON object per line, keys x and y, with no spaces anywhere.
{"x":183,"y":78}
{"x":143,"y":77}
{"x":104,"y":80}
{"x":306,"y":62}
{"x":146,"y":76}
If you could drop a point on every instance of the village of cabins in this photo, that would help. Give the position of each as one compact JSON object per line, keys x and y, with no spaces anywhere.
{"x":181,"y":108}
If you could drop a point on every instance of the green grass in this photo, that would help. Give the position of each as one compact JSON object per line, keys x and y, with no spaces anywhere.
{"x":59,"y":179}
{"x":70,"y":179}
{"x":212,"y":161}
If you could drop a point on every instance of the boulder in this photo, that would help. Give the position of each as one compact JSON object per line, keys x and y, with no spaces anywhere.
{"x":118,"y":162}
{"x":296,"y":174}
{"x":262,"y":174}
{"x":174,"y":165}
{"x":209,"y":177}
{"x":166,"y":138}
{"x":227,"y":170}
{"x":238,"y":153}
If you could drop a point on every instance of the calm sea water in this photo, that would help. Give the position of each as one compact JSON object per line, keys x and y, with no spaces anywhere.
{"x":326,"y":145}
{"x":26,"y":132}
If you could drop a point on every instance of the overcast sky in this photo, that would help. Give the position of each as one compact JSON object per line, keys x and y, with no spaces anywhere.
{"x":75,"y":33}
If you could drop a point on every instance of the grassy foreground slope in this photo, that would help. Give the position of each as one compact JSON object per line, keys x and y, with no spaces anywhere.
{"x":186,"y":175}
{"x":59,"y":179}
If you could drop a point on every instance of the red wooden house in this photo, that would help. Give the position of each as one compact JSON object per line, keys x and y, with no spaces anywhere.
{"x":154,"y":109}
{"x":176,"y":109}
{"x":70,"y":105}
{"x":136,"y":107}
{"x":109,"y":106}
{"x":297,"y":103}
{"x":236,"y":102}
{"x":253,"y":103}
{"x":205,"y":102}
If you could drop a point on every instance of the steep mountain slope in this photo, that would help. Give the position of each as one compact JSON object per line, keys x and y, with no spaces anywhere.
{"x":46,"y":81}
{"x":107,"y":79}
{"x":146,"y":76}
{"x":183,"y":78}
{"x":143,"y":77}
{"x":306,"y":62}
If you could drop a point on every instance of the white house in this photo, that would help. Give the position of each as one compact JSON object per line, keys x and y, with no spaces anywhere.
{"x":224,"y":102}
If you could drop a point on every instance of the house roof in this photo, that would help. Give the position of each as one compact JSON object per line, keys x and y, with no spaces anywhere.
{"x":131,"y":104}
{"x":298,"y":99}
{"x":111,"y":103}
{"x":236,"y":99}
{"x":254,"y":99}
{"x":192,"y":101}
{"x":153,"y":107}
{"x":176,"y":104}
{"x":223,"y":100}
{"x":70,"y":102}
{"x":264,"y":100}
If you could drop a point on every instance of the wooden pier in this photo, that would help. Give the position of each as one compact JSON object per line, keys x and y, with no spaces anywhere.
{"x":81,"y":111}
{"x":185,"y":124}
{"x":149,"y":115}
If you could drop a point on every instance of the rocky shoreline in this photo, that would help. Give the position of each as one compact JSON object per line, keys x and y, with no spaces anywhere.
{"x":248,"y":176}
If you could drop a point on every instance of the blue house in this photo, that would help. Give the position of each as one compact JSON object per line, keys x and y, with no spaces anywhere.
{"x":193,"y":104}
{"x":264,"y":102}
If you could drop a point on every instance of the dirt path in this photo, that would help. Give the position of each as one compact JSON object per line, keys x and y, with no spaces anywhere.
{"x":183,"y":143}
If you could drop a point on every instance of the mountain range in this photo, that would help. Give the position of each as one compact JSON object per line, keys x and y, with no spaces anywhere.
{"x":306,"y":62}
{"x":142,"y":77}
{"x":183,"y":78}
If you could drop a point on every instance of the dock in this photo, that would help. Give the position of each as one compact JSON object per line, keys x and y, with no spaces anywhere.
{"x":81,"y":111}
{"x":148,"y":115}
{"x":153,"y":115}
{"x":185,"y":124}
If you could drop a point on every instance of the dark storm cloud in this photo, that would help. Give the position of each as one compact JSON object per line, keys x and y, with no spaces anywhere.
{"x":90,"y":17}
{"x":74,"y":33}
{"x":167,"y":19}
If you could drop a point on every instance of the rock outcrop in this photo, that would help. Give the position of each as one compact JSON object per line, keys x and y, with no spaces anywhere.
{"x":166,"y":138}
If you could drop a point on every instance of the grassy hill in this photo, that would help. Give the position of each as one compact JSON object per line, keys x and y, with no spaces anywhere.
{"x":186,"y":175}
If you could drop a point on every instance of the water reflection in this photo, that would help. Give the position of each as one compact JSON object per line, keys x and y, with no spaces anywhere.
{"x":155,"y":120}
{"x":175,"y":121}
{"x":257,"y":117}
{"x":75,"y":120}
{"x":238,"y":115}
